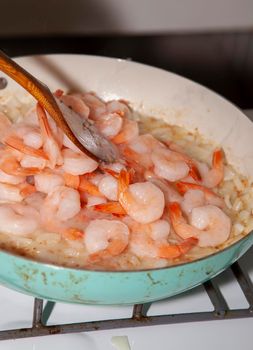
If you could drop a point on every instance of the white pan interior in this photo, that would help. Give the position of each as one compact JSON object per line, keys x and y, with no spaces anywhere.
{"x":154,"y":92}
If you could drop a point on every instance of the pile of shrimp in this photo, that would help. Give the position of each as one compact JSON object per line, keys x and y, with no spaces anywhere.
{"x":155,"y":207}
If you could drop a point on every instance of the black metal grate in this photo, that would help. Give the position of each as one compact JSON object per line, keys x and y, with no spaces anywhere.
{"x":139,"y":316}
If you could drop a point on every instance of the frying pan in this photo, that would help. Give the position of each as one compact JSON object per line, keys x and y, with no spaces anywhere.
{"x":156,"y":93}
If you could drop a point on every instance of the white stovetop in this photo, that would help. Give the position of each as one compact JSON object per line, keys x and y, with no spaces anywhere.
{"x":16,"y":312}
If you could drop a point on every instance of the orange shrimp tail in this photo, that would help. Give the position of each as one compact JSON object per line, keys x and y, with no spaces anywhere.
{"x":183,"y":187}
{"x":123,"y":181}
{"x":71,"y":180}
{"x":73,"y":234}
{"x":175,"y":211}
{"x":114,"y":208}
{"x":115,"y":247}
{"x":173,"y":251}
{"x":12,"y":167}
{"x":218,"y":159}
{"x":194,"y":172}
{"x":168,"y":251}
{"x":87,"y":186}
{"x":186,"y":186}
{"x":17,"y":144}
{"x":43,"y":121}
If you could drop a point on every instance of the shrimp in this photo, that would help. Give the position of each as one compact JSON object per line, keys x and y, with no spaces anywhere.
{"x":97,"y":107}
{"x":77,"y":164}
{"x":88,"y":187}
{"x":192,"y":199}
{"x":140,"y":149}
{"x":108,"y":186}
{"x":17,"y":144}
{"x":114,"y":208}
{"x":168,"y":166}
{"x":29,"y":134}
{"x":120,"y":107}
{"x":69,"y":144}
{"x":209,"y":224}
{"x":129,"y":131}
{"x":93,"y":201}
{"x":19,"y":219}
{"x":11,"y":179}
{"x":50,"y":145}
{"x":210,"y":196}
{"x":109,"y":124}
{"x":10,"y":193}
{"x":177,"y":154}
{"x":215,"y":175}
{"x":105,"y":238}
{"x":10,"y":165}
{"x":46,"y":182}
{"x":33,"y":162}
{"x":71,"y":180}
{"x":170,"y":193}
{"x":60,"y":205}
{"x":114,"y":168}
{"x":144,"y":202}
{"x":151,"y":241}
{"x":77,"y":104}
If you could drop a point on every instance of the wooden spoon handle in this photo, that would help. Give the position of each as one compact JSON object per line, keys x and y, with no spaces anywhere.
{"x":42,"y":94}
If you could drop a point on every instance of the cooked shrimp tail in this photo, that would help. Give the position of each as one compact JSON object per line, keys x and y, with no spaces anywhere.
{"x":50,"y":145}
{"x":173,"y":251}
{"x":114,"y":208}
{"x":215,"y":175}
{"x":86,"y":186}
{"x":194,"y":172}
{"x":123,"y":181}
{"x":17,"y":144}
{"x":71,"y":180}
{"x":12,"y":167}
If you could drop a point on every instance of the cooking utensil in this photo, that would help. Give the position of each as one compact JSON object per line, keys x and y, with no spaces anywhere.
{"x":163,"y":95}
{"x":81,"y":132}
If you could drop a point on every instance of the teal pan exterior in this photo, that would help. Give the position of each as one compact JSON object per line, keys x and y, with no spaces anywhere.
{"x":99,"y":287}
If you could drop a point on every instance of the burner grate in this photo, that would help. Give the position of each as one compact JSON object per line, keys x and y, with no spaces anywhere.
{"x":139,"y":316}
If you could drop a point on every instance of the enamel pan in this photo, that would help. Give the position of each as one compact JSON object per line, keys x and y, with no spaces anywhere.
{"x":163,"y":95}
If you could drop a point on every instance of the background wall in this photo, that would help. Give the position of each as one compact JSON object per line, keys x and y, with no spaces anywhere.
{"x":56,"y":17}
{"x":209,"y":41}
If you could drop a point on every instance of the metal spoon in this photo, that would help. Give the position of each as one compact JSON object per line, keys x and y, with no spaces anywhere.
{"x":82,"y":133}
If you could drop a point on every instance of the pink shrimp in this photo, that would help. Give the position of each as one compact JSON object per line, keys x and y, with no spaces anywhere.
{"x":210,"y":196}
{"x":105,"y":238}
{"x":77,"y":104}
{"x":209,"y":224}
{"x":129,"y":131}
{"x":50,"y":145}
{"x":215,"y":175}
{"x":151,"y":240}
{"x":144,"y":202}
